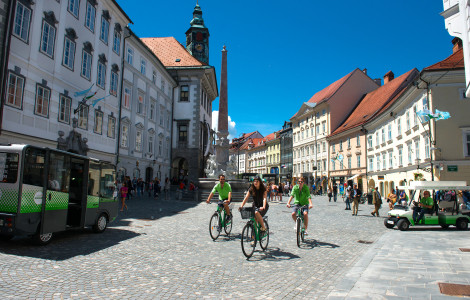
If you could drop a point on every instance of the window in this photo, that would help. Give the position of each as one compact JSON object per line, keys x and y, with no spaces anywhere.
{"x":340,"y":145}
{"x":138,"y":140}
{"x":390,"y":159}
{"x":83,"y":117}
{"x":150,"y":144}
{"x":101,"y":77}
{"x":130,"y":55}
{"x":349,"y":143}
{"x":116,"y":42}
{"x":183,"y":133}
{"x":400,"y":156}
{"x":377,"y":160}
{"x":98,"y":128}
{"x":410,"y":150}
{"x":311,"y":131}
{"x":358,"y":141}
{"x":86,"y":64}
{"x":65,"y":106}
{"x":323,"y":126}
{"x":383,"y":135}
{"x":358,"y":161}
{"x":104,"y":34}
{"x":369,"y":141}
{"x":162,"y":120}
{"x":323,"y":112}
{"x":349,"y":162}
{"x":389,"y":132}
{"x":69,"y":53}
{"x":154,"y":77}
{"x":333,"y":147}
{"x":111,"y":127}
{"x":407,"y":119}
{"x":417,"y":156}
{"x":384,"y":161}
{"x":47,"y":39}
{"x":73,"y":7}
{"x":152,"y":111}
{"x":184,"y":93}
{"x":377,"y":138}
{"x":90,"y":16}
{"x":415,"y":116}
{"x":140,"y":104}
{"x":114,"y":83}
{"x":127,"y":97}
{"x":302,"y":134}
{"x":324,"y":165}
{"x":467,"y":143}
{"x":425,"y":103}
{"x":43,"y":95}
{"x":124,"y":136}
{"x":15,"y":90}
{"x":324,"y":146}
{"x":143,"y":66}
{"x":163,"y":85}
{"x":22,"y":21}
{"x":371,"y":163}
{"x":398,"y":126}
{"x":333,"y":166}
{"x":318,"y":128}
{"x":427,"y":149}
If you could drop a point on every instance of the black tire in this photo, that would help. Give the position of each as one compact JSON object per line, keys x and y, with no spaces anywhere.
{"x":228,"y":225}
{"x":403,"y":224}
{"x":298,"y":226}
{"x":390,"y":226}
{"x":264,"y":240}
{"x":444,"y":226}
{"x":101,"y":224}
{"x":214,"y":226}
{"x":248,"y":240}
{"x":42,"y":239}
{"x":461,"y":224}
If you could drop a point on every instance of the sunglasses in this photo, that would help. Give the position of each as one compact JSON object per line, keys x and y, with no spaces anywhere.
{"x":300,"y":182}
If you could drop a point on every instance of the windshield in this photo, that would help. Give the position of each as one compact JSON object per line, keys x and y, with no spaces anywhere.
{"x":9,"y":167}
{"x":108,"y":176}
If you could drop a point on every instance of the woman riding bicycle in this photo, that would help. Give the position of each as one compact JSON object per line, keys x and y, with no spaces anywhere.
{"x":260,"y":203}
{"x":301,"y":195}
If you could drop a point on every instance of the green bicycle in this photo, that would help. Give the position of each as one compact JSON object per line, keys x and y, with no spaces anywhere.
{"x":251,"y":233}
{"x":299,"y":225}
{"x":219,"y":221}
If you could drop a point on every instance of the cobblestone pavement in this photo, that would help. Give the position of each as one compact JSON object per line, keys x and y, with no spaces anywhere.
{"x":162,"y":249}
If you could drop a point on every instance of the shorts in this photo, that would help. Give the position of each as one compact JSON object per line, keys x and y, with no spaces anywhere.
{"x":221,"y":203}
{"x":295,"y":207}
{"x":261,"y":210}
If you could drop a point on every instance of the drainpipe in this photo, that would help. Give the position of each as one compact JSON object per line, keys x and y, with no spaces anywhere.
{"x":120,"y":95}
{"x":6,"y":56}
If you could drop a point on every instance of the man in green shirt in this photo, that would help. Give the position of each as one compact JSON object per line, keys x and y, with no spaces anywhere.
{"x":425,"y":206}
{"x":225,"y":194}
{"x":301,"y":195}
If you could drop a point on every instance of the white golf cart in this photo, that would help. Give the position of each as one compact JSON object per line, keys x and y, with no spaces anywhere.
{"x":446,"y":210}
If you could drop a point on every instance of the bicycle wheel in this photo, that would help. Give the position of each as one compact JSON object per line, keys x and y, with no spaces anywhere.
{"x":228,"y":225}
{"x":302,"y":230}
{"x":298,"y":226}
{"x":264,"y":238}
{"x":248,"y":240}
{"x":214,"y":226}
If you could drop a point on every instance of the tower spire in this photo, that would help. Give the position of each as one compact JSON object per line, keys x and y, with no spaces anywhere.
{"x":197,"y":36}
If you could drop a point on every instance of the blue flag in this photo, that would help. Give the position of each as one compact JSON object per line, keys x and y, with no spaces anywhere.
{"x":84,"y":92}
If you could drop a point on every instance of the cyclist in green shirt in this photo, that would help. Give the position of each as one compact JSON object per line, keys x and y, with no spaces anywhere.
{"x":225,"y":194}
{"x":301,"y":195}
{"x":425,"y":206}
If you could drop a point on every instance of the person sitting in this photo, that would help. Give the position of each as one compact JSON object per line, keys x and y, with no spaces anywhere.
{"x":425,"y":206}
{"x":260,"y":203}
{"x":391,"y":199}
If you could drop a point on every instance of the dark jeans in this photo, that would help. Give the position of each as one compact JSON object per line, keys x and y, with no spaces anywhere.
{"x":335,"y":196}
{"x":418,"y":213}
{"x":348,"y":203}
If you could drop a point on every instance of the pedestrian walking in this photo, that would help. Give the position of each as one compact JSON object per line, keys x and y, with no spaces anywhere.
{"x":330,"y":194}
{"x":377,"y":201}
{"x":348,"y":197}
{"x":281,"y":191}
{"x":179,"y":191}
{"x":124,"y":190}
{"x":166,"y":188}
{"x":156,"y":188}
{"x":150,"y":187}
{"x":335,"y":191}
{"x":356,"y":193}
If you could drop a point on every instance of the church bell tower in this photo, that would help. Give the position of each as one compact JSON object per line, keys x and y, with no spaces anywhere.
{"x":197,"y":37}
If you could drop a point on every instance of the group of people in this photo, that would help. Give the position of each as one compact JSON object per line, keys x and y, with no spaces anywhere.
{"x":259,"y":194}
{"x":128,"y":188}
{"x":277,"y":191}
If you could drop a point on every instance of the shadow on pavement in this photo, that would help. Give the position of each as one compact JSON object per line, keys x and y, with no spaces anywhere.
{"x":310,"y":244}
{"x":67,"y":244}
{"x":433,"y":228}
{"x":273,"y":254}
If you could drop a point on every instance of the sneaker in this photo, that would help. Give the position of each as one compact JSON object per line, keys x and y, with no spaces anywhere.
{"x":372,"y":214}
{"x":229,"y":217}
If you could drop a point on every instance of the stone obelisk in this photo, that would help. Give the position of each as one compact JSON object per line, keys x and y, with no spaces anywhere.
{"x":222,"y":146}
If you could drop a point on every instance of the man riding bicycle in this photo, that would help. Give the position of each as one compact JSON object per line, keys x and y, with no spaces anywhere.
{"x":225,"y":194}
{"x":301,"y":195}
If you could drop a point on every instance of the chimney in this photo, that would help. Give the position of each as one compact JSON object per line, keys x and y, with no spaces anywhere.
{"x":457,"y":44}
{"x":378,"y":81}
{"x":388,"y":77}
{"x":364,"y":71}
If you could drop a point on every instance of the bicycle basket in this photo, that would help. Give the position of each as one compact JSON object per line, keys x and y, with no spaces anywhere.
{"x":246,"y":212}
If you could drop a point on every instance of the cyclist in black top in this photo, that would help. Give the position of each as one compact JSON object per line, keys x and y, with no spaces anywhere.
{"x":260,"y":202}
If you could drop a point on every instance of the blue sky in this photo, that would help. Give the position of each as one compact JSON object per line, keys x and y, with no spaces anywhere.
{"x":280,"y":53}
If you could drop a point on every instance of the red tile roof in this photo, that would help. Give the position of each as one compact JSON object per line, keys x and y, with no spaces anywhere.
{"x":377,"y":101}
{"x":169,"y":50}
{"x":330,"y":90}
{"x":455,"y":61}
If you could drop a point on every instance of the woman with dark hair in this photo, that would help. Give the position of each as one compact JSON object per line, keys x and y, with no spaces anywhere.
{"x":260,"y":203}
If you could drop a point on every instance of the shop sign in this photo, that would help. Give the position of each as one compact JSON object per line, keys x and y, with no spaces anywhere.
{"x":380,"y":177}
{"x":452,"y":168}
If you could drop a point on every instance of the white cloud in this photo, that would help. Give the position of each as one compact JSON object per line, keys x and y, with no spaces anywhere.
{"x":232,"y":131}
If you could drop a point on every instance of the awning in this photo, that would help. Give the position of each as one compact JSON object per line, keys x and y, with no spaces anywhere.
{"x":357,"y":175}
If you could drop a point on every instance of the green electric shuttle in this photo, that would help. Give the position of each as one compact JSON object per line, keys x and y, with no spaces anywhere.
{"x":43,"y":191}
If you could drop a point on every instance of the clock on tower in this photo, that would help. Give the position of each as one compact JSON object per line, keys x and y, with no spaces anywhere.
{"x":197,"y":37}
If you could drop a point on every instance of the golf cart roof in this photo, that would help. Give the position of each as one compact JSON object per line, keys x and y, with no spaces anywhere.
{"x":436,"y":185}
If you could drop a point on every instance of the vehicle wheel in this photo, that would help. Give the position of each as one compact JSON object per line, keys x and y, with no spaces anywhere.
{"x":214,"y":227}
{"x":228,"y":226}
{"x":298,"y":226}
{"x":444,"y":226}
{"x":248,"y":240}
{"x":403,"y":224}
{"x":42,"y":239}
{"x":6,"y":237}
{"x":100,"y":224}
{"x":462,"y":224}
{"x":264,"y":239}
{"x":388,"y":225}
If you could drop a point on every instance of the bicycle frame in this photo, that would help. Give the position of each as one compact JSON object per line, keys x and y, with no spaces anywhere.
{"x":222,"y":215}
